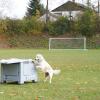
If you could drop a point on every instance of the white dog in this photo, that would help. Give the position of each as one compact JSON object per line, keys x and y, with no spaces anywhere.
{"x":41,"y":63}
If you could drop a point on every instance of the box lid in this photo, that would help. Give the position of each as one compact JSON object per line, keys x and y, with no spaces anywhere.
{"x":14,"y":60}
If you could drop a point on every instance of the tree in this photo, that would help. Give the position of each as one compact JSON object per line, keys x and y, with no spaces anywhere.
{"x":35,"y":8}
{"x":86,"y":23}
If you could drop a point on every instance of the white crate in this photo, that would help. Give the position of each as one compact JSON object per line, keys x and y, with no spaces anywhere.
{"x":19,"y":70}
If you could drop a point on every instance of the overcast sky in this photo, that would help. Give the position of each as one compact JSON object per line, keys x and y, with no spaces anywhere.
{"x":13,"y":8}
{"x":17,"y":8}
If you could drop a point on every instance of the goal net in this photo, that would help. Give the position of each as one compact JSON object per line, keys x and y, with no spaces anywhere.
{"x":67,"y":43}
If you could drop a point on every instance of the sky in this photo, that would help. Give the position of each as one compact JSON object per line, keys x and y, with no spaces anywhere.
{"x":13,"y":8}
{"x":18,"y":8}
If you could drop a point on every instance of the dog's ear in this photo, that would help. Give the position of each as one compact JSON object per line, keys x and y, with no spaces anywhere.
{"x":39,"y":56}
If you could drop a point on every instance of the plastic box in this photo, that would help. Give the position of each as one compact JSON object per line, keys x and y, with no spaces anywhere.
{"x":18,"y":70}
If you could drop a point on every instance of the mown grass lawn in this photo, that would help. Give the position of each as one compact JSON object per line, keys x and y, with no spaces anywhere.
{"x":79,"y":78}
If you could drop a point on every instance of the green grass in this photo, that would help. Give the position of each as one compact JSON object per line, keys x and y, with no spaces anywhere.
{"x":79,"y":78}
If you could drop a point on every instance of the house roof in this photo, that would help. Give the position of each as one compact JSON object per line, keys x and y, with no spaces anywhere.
{"x":70,"y":6}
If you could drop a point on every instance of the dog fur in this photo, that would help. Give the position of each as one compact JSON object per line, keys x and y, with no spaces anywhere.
{"x":41,"y":63}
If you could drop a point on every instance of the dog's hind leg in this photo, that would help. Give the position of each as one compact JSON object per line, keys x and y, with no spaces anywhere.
{"x":50,"y":77}
{"x":46,"y":76}
{"x":46,"y":79}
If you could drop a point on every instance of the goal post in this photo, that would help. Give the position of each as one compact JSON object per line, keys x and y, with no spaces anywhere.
{"x":67,"y":43}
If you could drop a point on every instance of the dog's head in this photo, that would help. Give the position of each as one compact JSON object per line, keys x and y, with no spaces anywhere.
{"x":39,"y":58}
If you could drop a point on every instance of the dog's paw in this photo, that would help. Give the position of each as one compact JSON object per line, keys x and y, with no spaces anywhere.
{"x":32,"y":61}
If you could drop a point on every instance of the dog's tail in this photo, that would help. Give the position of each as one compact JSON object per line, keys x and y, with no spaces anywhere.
{"x":56,"y":72}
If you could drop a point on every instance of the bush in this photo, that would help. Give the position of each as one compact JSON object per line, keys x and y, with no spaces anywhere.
{"x":14,"y":26}
{"x":97,"y":22}
{"x":58,"y":27}
{"x":25,"y":26}
{"x":86,"y":23}
{"x":3,"y":26}
{"x":33,"y":26}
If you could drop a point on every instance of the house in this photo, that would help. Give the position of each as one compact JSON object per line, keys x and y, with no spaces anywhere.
{"x":51,"y":17}
{"x":70,"y":9}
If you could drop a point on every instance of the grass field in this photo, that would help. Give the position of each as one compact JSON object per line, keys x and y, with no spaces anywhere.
{"x":79,"y":78}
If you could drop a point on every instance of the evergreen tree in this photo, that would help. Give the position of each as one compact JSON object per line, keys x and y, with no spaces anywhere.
{"x":35,"y":8}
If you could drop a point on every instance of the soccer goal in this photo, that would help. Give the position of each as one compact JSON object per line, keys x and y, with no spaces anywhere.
{"x":67,"y":43}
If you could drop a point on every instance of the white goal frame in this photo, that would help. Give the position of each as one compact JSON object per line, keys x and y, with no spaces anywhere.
{"x":82,"y":38}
